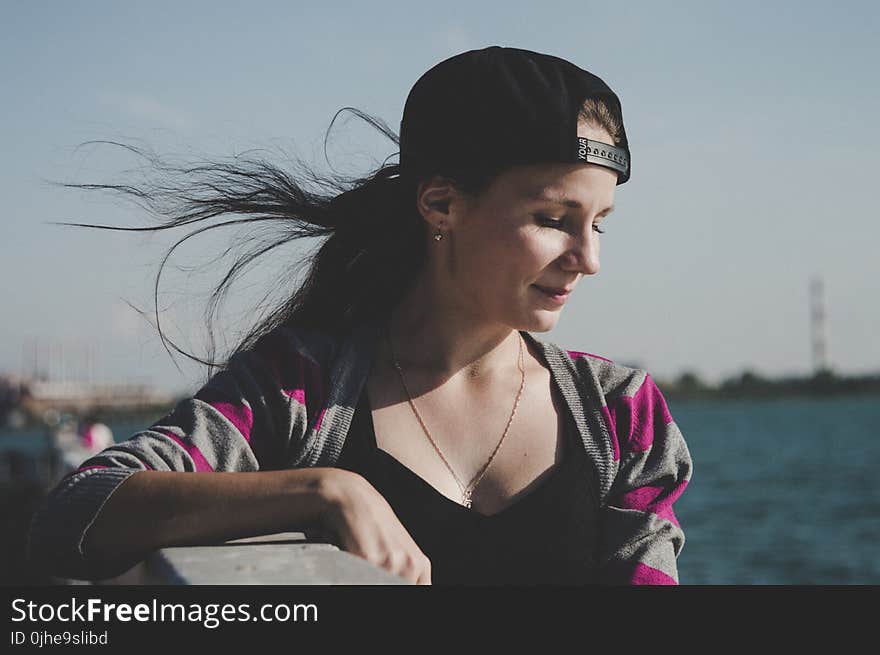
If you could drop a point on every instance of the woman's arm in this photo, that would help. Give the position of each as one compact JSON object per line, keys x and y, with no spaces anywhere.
{"x":154,"y":509}
{"x":641,"y":536}
{"x":243,"y":421}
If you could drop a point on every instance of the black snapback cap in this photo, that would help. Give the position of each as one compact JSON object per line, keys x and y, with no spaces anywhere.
{"x":505,"y":106}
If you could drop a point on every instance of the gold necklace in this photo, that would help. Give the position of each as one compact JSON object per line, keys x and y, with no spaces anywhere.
{"x":466,"y":491}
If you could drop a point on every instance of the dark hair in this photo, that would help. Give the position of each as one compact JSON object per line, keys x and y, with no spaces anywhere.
{"x":376,"y":244}
{"x":600,"y":114}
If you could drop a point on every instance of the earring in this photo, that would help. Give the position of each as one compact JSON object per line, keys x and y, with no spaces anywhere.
{"x":438,"y":236}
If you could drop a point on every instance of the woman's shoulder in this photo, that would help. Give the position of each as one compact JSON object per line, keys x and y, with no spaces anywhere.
{"x":306,"y":364}
{"x":289,"y":351}
{"x":612,"y":377}
{"x":631,"y":403}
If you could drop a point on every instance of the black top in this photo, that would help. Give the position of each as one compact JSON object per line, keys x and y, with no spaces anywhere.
{"x":546,"y":537}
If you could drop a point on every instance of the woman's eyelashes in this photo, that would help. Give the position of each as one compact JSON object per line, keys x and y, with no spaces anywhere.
{"x":561,"y":224}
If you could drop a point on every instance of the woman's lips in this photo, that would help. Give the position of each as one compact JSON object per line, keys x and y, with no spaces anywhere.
{"x":553,"y":294}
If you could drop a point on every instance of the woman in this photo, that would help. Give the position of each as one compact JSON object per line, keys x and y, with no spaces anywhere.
{"x":398,"y":400}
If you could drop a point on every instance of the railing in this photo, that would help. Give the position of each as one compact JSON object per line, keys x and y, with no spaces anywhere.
{"x":281,"y":559}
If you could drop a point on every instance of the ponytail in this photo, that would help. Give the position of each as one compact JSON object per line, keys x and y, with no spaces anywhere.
{"x":373,"y":238}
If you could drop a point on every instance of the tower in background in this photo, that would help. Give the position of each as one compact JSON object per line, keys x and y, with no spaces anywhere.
{"x":818,"y":328}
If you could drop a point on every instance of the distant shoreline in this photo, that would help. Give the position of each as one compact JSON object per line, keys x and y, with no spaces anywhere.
{"x":750,"y":385}
{"x":686,"y":386}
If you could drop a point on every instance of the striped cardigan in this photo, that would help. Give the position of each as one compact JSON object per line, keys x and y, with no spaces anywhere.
{"x":289,"y":402}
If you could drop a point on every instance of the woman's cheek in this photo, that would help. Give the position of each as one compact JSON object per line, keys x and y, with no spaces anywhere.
{"x":545,"y":248}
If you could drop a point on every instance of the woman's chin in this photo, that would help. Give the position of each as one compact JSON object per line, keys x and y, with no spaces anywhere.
{"x":543,"y":320}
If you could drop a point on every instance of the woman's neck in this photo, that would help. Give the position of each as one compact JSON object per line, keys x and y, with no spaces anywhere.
{"x":433,"y":335}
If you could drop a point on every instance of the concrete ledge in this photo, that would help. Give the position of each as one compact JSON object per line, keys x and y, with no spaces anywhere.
{"x":287,"y":558}
{"x":284,"y":559}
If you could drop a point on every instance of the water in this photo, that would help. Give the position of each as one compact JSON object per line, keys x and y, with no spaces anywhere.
{"x":783,"y":491}
{"x":24,"y":453}
{"x":33,"y":441}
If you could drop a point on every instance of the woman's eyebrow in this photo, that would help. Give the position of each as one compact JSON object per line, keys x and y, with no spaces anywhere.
{"x":561,"y":200}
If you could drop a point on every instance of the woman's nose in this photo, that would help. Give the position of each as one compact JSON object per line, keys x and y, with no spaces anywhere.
{"x":585,"y":254}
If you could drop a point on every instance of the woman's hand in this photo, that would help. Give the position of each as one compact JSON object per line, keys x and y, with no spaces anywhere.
{"x":365,"y":525}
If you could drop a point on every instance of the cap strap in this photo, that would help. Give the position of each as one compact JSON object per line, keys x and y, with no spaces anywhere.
{"x":596,"y":152}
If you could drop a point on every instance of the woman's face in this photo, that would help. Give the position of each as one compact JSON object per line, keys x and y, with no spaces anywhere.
{"x":536,"y":225}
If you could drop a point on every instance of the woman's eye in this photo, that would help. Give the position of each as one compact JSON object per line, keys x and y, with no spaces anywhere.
{"x":560,"y":224}
{"x":550,"y":222}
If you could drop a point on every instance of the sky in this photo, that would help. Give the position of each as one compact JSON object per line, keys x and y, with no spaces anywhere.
{"x":751,"y":126}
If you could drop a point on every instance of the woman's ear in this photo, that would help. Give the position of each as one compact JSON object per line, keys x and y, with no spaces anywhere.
{"x":434,"y":199}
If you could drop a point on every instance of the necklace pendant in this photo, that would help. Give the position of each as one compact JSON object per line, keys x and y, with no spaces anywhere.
{"x":466,"y":499}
